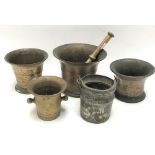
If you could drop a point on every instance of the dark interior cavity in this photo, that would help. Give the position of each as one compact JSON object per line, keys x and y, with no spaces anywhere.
{"x":46,"y":88}
{"x":133,"y":69}
{"x":98,"y":85}
{"x":76,"y":53}
{"x":26,"y":57}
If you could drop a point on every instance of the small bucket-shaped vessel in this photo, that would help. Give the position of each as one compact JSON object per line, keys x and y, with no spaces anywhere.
{"x":97,"y":94}
{"x":131,"y":75}
{"x":72,"y":58}
{"x":27,"y":64}
{"x":47,"y":92}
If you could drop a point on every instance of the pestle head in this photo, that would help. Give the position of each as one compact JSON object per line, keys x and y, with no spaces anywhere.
{"x":110,"y":34}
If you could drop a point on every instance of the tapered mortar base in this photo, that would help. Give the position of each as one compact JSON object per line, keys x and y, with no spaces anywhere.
{"x":130,"y":99}
{"x":77,"y":95}
{"x":21,"y":90}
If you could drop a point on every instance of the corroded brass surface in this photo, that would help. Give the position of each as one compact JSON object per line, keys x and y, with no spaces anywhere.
{"x":47,"y":96}
{"x":131,"y":75}
{"x":27,"y":64}
{"x":97,"y":94}
{"x":72,"y":58}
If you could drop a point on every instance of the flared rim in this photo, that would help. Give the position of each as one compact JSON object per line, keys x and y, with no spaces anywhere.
{"x":50,"y":78}
{"x":114,"y":70}
{"x":26,"y":50}
{"x":77,"y":63}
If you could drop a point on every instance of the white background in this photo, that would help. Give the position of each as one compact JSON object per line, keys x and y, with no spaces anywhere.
{"x":131,"y":127}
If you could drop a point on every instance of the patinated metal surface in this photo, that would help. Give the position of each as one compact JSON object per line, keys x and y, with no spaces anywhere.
{"x":27,"y":64}
{"x":131,"y":75}
{"x":97,"y":94}
{"x":72,"y":58}
{"x":47,"y":96}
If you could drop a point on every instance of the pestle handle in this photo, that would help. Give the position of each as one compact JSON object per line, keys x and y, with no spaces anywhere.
{"x":93,"y":56}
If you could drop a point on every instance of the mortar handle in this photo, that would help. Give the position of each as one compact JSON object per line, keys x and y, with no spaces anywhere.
{"x":79,"y":81}
{"x":31,"y":100}
{"x":93,"y":56}
{"x":116,"y":79}
{"x":64,"y":98}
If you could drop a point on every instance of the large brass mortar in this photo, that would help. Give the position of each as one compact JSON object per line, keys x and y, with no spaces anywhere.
{"x":131,"y":75}
{"x":27,"y":63}
{"x":72,"y":59}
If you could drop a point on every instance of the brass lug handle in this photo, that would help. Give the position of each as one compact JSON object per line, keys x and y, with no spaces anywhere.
{"x":116,"y":79}
{"x":31,"y":100}
{"x":79,"y":82}
{"x":64,"y":98}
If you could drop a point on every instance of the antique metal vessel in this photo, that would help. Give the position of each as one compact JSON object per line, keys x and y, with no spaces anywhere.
{"x":96,"y":94}
{"x":27,"y":63}
{"x":131,"y":75}
{"x":47,"y":92}
{"x":72,"y":58}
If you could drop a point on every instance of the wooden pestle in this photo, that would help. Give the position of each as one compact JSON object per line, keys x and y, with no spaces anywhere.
{"x":93,"y":56}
